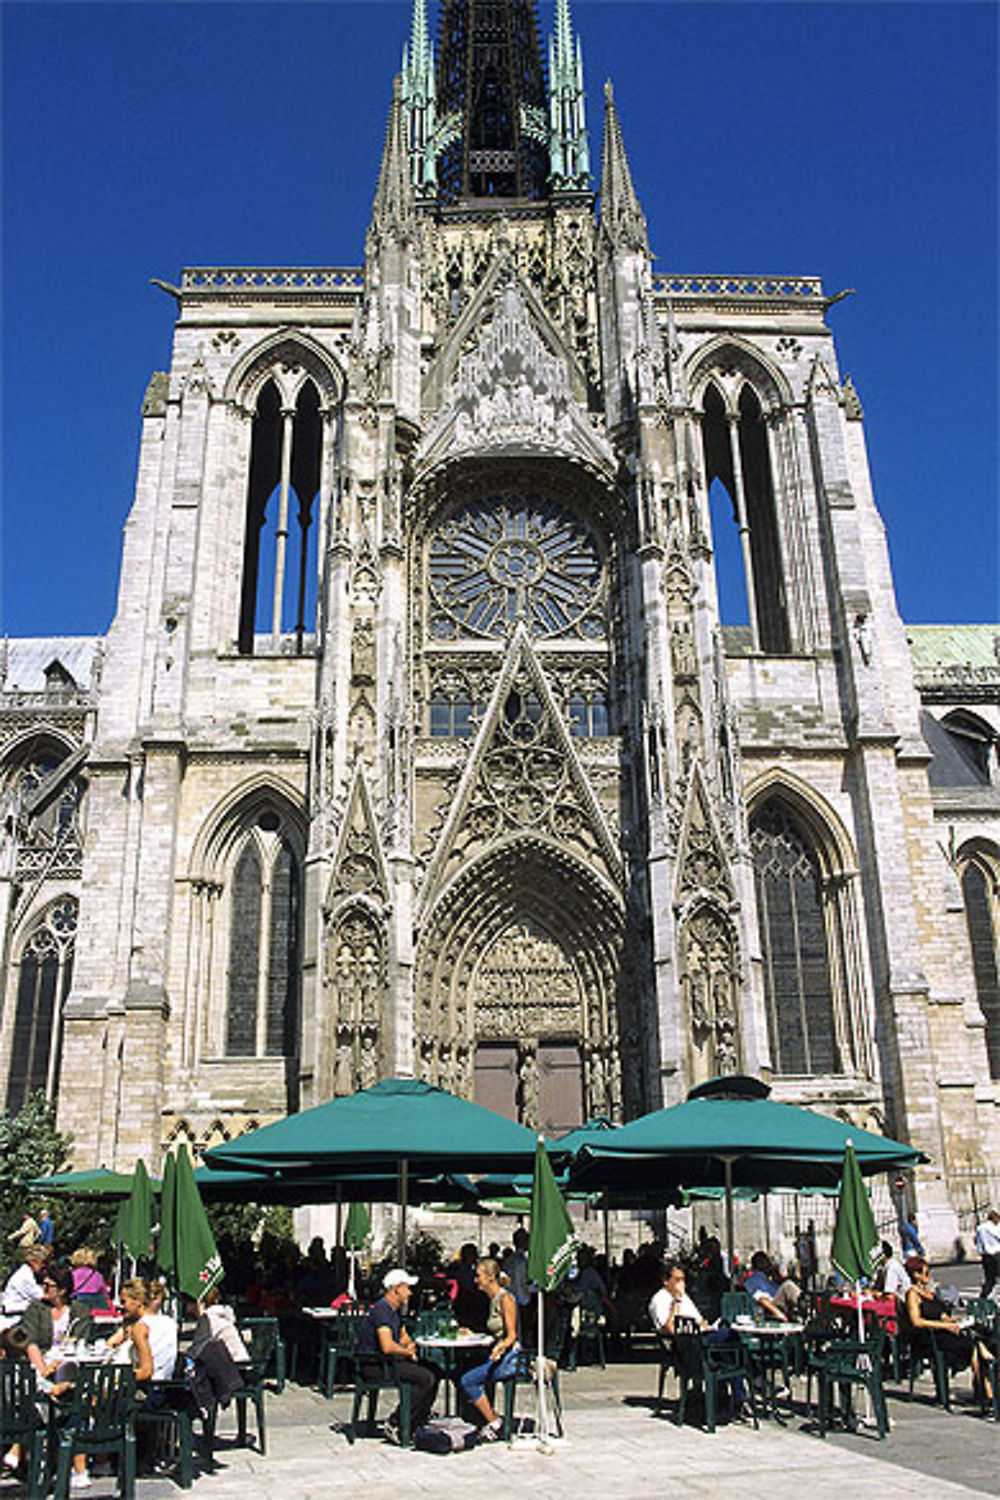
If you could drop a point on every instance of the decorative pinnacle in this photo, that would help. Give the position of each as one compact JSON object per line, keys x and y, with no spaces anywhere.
{"x":621,"y":219}
{"x":392,"y":210}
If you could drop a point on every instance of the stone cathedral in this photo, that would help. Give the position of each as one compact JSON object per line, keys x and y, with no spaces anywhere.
{"x":420,"y":741}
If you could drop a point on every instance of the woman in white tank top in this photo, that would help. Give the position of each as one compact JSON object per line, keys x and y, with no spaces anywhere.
{"x":153,"y":1334}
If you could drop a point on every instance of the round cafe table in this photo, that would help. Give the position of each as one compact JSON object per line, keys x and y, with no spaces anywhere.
{"x":452,"y":1356}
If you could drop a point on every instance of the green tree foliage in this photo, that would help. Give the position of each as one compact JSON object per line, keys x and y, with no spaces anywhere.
{"x":30,"y":1146}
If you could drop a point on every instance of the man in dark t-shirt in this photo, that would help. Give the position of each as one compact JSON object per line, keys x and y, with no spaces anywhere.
{"x":381,"y":1332}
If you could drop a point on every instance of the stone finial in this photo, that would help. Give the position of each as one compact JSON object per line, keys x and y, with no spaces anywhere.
{"x":622,"y":221}
{"x":392,"y":211}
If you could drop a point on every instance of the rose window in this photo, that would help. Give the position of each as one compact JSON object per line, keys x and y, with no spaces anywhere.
{"x":514,"y":559}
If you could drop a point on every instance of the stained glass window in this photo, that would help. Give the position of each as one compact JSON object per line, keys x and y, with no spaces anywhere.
{"x":514,"y":559}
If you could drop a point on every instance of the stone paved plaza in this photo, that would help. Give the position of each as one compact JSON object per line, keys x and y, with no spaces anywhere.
{"x":618,"y":1448}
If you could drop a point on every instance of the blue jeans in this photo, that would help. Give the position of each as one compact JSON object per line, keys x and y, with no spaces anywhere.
{"x":474,"y":1381}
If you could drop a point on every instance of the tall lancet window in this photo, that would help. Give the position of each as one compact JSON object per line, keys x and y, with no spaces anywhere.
{"x":737,"y":460}
{"x":797,"y":929}
{"x":44,"y":975}
{"x":262,"y":1010}
{"x":279,"y":553}
{"x":982,"y":914}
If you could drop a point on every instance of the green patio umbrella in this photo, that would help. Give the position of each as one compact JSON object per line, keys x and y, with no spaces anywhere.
{"x":728,"y":1133}
{"x":358,"y":1228}
{"x":91,"y":1182}
{"x":400,"y":1126}
{"x":166,"y":1244}
{"x":551,"y":1249}
{"x":187,"y":1246}
{"x":134,"y":1231}
{"x":856,"y":1251}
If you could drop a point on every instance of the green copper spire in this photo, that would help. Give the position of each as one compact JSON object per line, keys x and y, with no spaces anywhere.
{"x":569,"y":151}
{"x":419,"y":99}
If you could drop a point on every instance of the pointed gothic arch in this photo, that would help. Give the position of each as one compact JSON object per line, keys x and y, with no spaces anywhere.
{"x":39,"y":984}
{"x":817,"y":992}
{"x":522,"y":950}
{"x":979,"y":873}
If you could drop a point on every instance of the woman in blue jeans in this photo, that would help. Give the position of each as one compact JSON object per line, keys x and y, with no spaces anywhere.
{"x":502,"y":1363}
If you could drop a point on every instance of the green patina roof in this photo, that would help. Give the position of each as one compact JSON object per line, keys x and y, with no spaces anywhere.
{"x":954,"y":645}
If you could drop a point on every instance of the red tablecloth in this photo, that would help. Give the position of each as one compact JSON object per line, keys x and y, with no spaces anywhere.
{"x":873,"y":1309}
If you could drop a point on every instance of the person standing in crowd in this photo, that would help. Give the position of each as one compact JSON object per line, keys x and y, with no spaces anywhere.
{"x":27,"y":1233}
{"x":381,"y":1333}
{"x":23,"y":1287}
{"x":515,"y":1268}
{"x":988,"y":1246}
{"x":46,"y":1228}
{"x":911,"y":1238}
{"x":893,"y":1277}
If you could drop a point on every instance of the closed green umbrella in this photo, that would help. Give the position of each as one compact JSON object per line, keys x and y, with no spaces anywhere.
{"x":857,"y":1250}
{"x":358,"y":1227}
{"x":135,"y":1217}
{"x":551,"y":1249}
{"x":187,"y":1248}
{"x":165,"y":1245}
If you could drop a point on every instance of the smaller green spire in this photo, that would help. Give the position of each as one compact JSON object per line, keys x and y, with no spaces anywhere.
{"x":569,"y":151}
{"x":419,"y":97}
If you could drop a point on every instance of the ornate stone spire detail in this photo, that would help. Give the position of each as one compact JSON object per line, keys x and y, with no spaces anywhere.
{"x":569,"y":151}
{"x":622,"y":221}
{"x":420,"y":104}
{"x":392,"y":211}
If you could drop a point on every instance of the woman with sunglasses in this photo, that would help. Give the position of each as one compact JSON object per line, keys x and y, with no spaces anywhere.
{"x":927,"y":1314}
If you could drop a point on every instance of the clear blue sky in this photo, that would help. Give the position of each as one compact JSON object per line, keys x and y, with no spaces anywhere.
{"x":856,"y":142}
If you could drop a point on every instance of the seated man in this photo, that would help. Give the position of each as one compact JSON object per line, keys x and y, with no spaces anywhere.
{"x":894,"y":1277}
{"x":381,"y":1331}
{"x":778,"y":1299}
{"x":674,"y":1316}
{"x":24,"y":1287}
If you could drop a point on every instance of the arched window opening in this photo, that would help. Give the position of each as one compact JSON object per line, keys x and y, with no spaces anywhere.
{"x":280,"y":543}
{"x":451,"y":714}
{"x":976,"y":743}
{"x":795,"y":944}
{"x":588,"y":712}
{"x":738,"y":471}
{"x":44,"y":978}
{"x":980,"y":897}
{"x":263,"y":978}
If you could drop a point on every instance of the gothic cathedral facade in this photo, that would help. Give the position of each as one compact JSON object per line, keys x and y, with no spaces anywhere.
{"x":418,"y":743}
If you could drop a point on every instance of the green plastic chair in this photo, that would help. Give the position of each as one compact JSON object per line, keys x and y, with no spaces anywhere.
{"x":99,"y":1419}
{"x":524,"y":1375}
{"x":738,"y":1305}
{"x":279,"y":1358}
{"x":261,"y":1349}
{"x":21,"y":1423}
{"x":590,"y":1331}
{"x":721,"y":1365}
{"x":847,"y":1363}
{"x":340,"y":1339}
{"x":166,"y":1410}
{"x":374,"y":1373}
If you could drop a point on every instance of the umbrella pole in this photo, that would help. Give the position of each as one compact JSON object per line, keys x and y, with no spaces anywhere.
{"x":727,"y":1162}
{"x":868,"y":1418}
{"x":543,"y":1415}
{"x":404,"y":1189}
{"x":607,"y":1235}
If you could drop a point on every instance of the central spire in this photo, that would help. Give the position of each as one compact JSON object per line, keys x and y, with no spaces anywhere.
{"x":491,"y":102}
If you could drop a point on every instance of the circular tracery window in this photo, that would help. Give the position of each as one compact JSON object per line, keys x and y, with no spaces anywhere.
{"x":515,"y":558}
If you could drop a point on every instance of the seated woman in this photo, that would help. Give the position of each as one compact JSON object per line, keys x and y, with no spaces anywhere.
{"x":926,"y":1313}
{"x":151,"y":1334}
{"x":89,"y":1286}
{"x":501,"y":1322}
{"x":217,"y":1322}
{"x":49,"y":1324}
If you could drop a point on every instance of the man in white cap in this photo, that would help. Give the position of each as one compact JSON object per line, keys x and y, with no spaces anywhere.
{"x":381,"y":1332}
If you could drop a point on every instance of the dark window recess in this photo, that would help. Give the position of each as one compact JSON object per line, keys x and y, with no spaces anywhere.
{"x":34,"y":1017}
{"x":282,"y":979}
{"x":244,"y":956}
{"x":983,"y":942}
{"x":797,"y":981}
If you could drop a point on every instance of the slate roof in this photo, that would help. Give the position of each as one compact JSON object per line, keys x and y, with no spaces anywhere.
{"x":28,"y":658}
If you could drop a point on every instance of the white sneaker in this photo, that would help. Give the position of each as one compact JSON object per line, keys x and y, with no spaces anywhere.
{"x":79,"y":1481}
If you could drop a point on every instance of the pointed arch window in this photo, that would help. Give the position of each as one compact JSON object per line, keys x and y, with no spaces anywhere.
{"x":799,"y":929}
{"x":279,"y":550}
{"x":45,"y":973}
{"x":263,"y":976}
{"x":737,"y":459}
{"x":982,"y":915}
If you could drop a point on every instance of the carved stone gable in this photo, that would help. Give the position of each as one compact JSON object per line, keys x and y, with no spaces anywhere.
{"x":523,"y":777}
{"x":358,"y":868}
{"x":703,"y":868}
